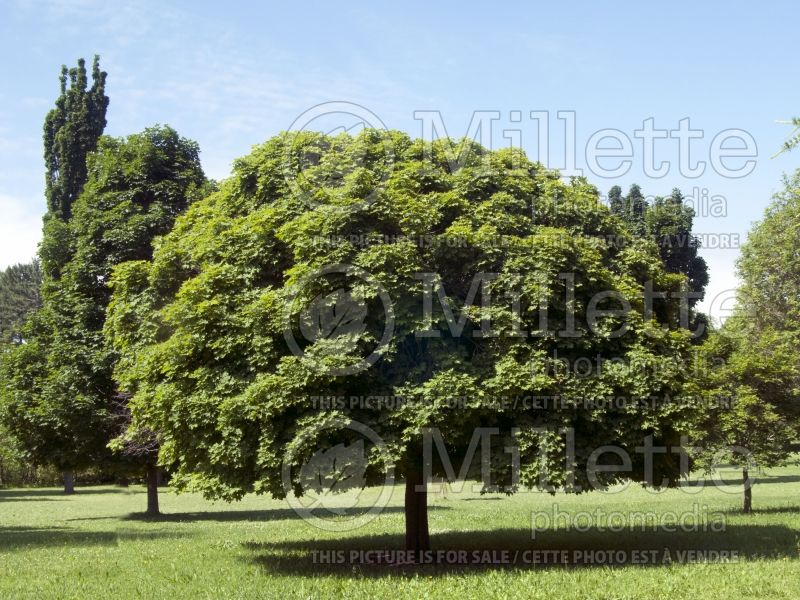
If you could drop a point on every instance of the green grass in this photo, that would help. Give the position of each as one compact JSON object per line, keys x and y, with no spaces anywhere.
{"x":95,"y":544}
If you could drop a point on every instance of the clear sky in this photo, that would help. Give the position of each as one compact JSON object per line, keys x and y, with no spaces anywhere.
{"x":231,"y":75}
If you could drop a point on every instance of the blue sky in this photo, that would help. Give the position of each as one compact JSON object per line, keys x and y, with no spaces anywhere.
{"x":231,"y":75}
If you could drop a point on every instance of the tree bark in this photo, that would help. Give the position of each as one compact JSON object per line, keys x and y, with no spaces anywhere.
{"x":69,"y":482}
{"x":418,"y":537}
{"x":152,"y":491}
{"x":748,"y":492}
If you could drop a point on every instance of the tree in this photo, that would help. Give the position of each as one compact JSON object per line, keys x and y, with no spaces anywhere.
{"x":631,"y":208}
{"x":61,"y":399}
{"x":205,"y":329}
{"x":19,"y":296}
{"x":668,"y":221}
{"x":616,"y":202}
{"x":769,"y":265}
{"x":747,"y":422}
{"x":71,"y":132}
{"x":756,"y":368}
{"x":769,"y":298}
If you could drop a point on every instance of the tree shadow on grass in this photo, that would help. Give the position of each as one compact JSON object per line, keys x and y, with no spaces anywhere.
{"x":777,"y":479}
{"x":766,"y":510}
{"x":30,"y":499}
{"x":14,"y":538}
{"x":513,"y":549}
{"x":49,"y":494}
{"x":482,"y":499}
{"x":710,"y":482}
{"x":274,"y":514}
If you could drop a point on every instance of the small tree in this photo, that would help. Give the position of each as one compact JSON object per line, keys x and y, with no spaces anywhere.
{"x":756,"y":352}
{"x":20,"y":295}
{"x":749,"y":390}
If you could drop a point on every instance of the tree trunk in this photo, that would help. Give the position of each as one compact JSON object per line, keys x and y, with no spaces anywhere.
{"x":123,"y":481}
{"x":152,"y":490}
{"x":69,"y":482}
{"x":748,"y":492}
{"x":418,"y":538}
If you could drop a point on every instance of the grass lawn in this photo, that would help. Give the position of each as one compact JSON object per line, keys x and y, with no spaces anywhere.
{"x":96,"y":544}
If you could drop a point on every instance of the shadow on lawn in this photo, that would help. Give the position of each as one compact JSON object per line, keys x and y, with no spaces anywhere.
{"x":777,"y":479}
{"x":13,"y":538}
{"x":482,"y":550}
{"x":274,"y":514}
{"x":49,"y":494}
{"x":767,"y":510}
{"x":736,"y":480}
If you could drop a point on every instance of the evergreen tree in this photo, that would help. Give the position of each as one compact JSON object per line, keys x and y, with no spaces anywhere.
{"x":668,"y":221}
{"x":615,"y":200}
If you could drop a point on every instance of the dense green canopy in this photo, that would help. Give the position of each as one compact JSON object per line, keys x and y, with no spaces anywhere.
{"x":206,"y":350}
{"x":768,"y":312}
{"x":769,"y":265}
{"x":59,"y":397}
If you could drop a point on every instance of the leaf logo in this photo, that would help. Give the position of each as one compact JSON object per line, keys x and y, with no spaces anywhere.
{"x":352,"y":130}
{"x":333,"y":315}
{"x":306,"y":162}
{"x":335,"y":470}
{"x":314,"y":479}
{"x":335,"y":322}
